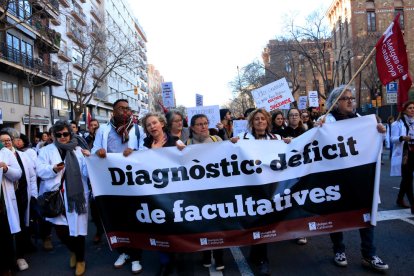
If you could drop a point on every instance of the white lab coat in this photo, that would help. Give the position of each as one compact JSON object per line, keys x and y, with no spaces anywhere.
{"x":101,"y":138}
{"x":7,"y":184}
{"x":397,"y":129}
{"x":48,"y":157}
{"x":30,"y":172}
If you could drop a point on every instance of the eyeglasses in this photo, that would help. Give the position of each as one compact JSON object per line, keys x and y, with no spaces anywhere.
{"x":60,"y":134}
{"x":201,"y":124}
{"x":124,"y":108}
{"x":352,"y":99}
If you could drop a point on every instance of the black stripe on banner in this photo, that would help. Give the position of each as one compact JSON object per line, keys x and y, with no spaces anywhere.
{"x":241,"y":207}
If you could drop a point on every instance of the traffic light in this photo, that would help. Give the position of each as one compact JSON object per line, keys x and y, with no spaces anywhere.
{"x":135,"y":90}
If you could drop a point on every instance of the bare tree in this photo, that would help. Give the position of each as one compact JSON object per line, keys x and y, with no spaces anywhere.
{"x":98,"y":53}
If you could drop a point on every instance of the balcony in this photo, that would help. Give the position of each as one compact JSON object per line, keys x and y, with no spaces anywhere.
{"x":77,"y":36}
{"x":96,"y":14}
{"x":65,"y":54}
{"x":47,"y":37}
{"x":78,"y":64}
{"x":55,"y":21}
{"x":83,"y":1}
{"x":78,"y":14}
{"x":51,"y":7}
{"x":64,"y":3}
{"x":14,"y":59}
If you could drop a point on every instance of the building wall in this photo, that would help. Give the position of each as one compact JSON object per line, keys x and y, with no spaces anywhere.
{"x":356,"y":14}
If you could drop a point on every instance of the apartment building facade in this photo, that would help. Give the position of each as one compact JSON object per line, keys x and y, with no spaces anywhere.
{"x":356,"y":27}
{"x":155,"y":80}
{"x":27,"y":72}
{"x":93,"y":34}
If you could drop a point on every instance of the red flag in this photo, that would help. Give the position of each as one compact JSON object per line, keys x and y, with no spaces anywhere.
{"x":404,"y":85}
{"x":391,"y":56}
{"x":164,"y":109}
{"x":88,"y":118}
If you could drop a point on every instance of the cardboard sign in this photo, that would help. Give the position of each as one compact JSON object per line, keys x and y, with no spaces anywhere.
{"x":313,"y":98}
{"x":168,"y":94}
{"x":273,"y":95}
{"x":212,"y":112}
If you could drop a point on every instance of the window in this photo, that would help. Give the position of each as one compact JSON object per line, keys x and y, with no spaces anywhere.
{"x":371,"y":22}
{"x":9,"y":92}
{"x":13,"y":48}
{"x":59,"y":104}
{"x":40,"y":99}
{"x":401,"y":12}
{"x":26,"y":96}
{"x":27,"y":53}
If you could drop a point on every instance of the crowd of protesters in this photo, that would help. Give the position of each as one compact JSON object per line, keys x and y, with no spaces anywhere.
{"x":56,"y":162}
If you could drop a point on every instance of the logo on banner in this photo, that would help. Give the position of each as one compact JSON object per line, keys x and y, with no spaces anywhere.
{"x":256,"y":235}
{"x":114,"y":240}
{"x":206,"y":241}
{"x":314,"y":226}
{"x":154,"y":242}
{"x":264,"y":235}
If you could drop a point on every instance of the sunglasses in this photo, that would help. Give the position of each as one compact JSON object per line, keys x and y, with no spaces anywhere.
{"x":62,"y":134}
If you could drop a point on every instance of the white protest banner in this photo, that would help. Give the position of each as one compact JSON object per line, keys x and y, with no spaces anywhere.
{"x":199,"y":100}
{"x":255,"y":191}
{"x":239,"y":126}
{"x":212,"y":112}
{"x":273,"y":95}
{"x":168,"y":94}
{"x":313,"y":98}
{"x":303,"y":100}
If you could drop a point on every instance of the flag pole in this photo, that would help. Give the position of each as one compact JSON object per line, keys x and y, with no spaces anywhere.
{"x":368,"y":58}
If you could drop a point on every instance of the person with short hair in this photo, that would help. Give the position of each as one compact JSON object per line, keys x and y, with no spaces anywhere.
{"x":120,"y":135}
{"x":344,"y":109}
{"x":175,"y":121}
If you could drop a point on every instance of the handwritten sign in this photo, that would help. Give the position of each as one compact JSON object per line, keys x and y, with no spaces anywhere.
{"x":239,"y":126}
{"x":313,"y":98}
{"x":273,"y":95}
{"x":212,"y":112}
{"x":303,"y":100}
{"x":168,"y":94}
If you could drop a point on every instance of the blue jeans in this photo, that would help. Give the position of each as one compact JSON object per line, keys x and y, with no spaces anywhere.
{"x":367,"y":242}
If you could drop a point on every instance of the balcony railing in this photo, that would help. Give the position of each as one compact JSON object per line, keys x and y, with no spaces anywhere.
{"x":27,"y":61}
{"x":78,"y":14}
{"x":77,"y":36}
{"x":65,"y":54}
{"x":48,"y":33}
{"x":96,"y":14}
{"x":64,"y":3}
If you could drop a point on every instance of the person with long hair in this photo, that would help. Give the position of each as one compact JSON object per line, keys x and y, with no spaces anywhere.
{"x":259,"y":123}
{"x":295,"y":125}
{"x":278,"y":123}
{"x":61,"y":166}
{"x":344,"y":109}
{"x":402,"y":160}
{"x":226,"y":124}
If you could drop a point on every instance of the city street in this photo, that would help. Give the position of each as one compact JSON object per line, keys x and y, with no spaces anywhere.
{"x":393,"y":238}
